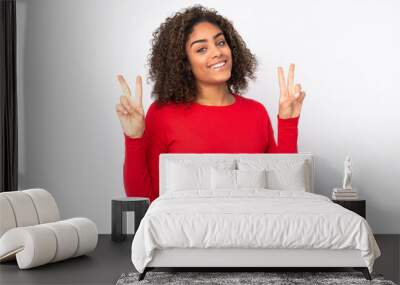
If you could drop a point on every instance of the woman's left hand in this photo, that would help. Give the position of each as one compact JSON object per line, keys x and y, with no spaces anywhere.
{"x":291,"y":98}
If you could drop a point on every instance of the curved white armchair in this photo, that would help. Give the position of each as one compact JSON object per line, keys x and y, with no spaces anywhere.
{"x":32,"y":233}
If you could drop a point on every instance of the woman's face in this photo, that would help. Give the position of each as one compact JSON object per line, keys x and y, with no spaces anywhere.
{"x":206,"y":49}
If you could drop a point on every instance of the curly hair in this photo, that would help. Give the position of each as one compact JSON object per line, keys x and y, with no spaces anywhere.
{"x":169,"y":65}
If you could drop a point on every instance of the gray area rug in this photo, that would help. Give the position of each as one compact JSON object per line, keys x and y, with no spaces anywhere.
{"x":229,"y":278}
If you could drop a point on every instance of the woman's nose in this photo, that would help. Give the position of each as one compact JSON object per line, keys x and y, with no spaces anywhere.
{"x":216,"y":52}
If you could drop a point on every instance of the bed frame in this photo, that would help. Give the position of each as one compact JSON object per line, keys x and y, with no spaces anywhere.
{"x":243,"y":259}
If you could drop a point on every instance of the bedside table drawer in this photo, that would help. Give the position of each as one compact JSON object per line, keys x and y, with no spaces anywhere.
{"x":357,"y":206}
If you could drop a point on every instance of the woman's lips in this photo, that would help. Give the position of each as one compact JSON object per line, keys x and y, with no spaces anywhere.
{"x":225,"y":63}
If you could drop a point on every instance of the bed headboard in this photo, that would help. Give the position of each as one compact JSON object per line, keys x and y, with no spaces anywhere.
{"x":306,"y":156}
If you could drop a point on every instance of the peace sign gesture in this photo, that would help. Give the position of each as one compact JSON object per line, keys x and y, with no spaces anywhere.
{"x":130,"y":109}
{"x":291,"y":98}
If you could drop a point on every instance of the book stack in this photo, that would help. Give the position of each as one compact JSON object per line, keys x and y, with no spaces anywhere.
{"x":344,"y":194}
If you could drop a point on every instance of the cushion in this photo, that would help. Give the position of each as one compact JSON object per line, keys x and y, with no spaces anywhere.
{"x":7,"y":215}
{"x":282,"y":174}
{"x":223,"y":179}
{"x":23,"y":208}
{"x":27,"y":208}
{"x":252,"y":178}
{"x":189,"y":174}
{"x":237,"y":179}
{"x":46,"y":243}
{"x":45,"y":205}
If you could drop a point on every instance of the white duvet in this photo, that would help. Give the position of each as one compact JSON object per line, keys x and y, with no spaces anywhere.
{"x":250,"y":218}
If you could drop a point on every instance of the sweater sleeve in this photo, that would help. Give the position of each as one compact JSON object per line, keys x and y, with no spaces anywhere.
{"x":287,"y":135}
{"x":141,"y":172}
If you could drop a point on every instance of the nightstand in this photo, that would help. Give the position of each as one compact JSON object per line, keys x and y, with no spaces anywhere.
{"x":119,"y":207}
{"x":357,"y":206}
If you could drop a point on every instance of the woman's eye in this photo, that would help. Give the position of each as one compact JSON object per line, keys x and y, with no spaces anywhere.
{"x":219,"y":43}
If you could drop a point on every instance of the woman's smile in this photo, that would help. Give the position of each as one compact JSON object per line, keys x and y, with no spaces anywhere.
{"x":219,"y":66}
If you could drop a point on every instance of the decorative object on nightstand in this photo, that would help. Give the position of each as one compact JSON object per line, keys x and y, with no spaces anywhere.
{"x":346,"y":192}
{"x":357,"y":206}
{"x":119,"y":207}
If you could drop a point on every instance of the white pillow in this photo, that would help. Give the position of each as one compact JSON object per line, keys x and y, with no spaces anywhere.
{"x":223,"y":179}
{"x":189,"y":174}
{"x":251,"y":178}
{"x":282,"y":174}
{"x":236,"y":179}
{"x":290,"y":179}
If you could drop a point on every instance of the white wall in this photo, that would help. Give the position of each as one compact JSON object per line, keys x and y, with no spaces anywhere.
{"x":346,"y":55}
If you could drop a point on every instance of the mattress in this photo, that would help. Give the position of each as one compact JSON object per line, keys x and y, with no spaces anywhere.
{"x":250,"y":219}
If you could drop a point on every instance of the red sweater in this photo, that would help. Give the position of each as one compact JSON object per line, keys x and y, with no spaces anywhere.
{"x":242,"y":127}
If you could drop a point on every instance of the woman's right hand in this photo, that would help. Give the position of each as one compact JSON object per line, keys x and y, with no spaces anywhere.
{"x":130,"y":110}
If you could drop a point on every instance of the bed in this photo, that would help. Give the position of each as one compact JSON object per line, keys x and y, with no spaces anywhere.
{"x":247,"y":210}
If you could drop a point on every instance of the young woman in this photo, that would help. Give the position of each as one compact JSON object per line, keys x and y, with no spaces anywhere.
{"x":199,"y":65}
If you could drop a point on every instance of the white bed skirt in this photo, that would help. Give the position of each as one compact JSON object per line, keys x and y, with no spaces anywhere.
{"x":236,"y":257}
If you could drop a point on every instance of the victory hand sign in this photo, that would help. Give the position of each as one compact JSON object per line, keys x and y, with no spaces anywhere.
{"x":130,"y":109}
{"x":291,"y":98}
